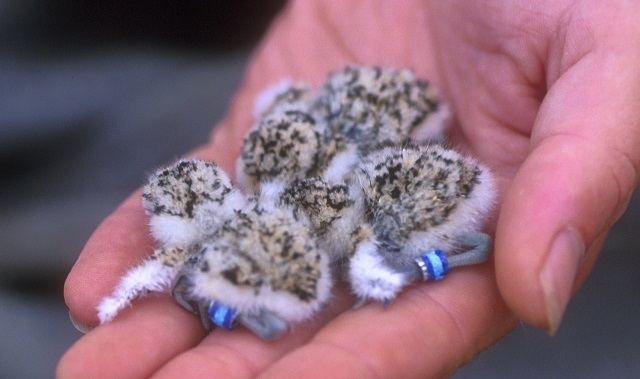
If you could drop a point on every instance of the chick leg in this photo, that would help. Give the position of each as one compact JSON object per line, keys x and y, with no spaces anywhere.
{"x":267,"y":325}
{"x":435,"y":265}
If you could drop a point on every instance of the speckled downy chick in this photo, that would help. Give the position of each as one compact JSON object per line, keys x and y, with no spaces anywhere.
{"x":356,"y":109}
{"x":331,"y":209}
{"x":369,"y":106}
{"x":186,"y":202}
{"x":261,"y":269}
{"x":417,"y":199}
{"x":284,"y":161}
{"x":287,"y":142}
{"x":283,"y":147}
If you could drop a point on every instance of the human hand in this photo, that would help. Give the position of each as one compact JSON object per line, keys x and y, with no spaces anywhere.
{"x":546,"y":95}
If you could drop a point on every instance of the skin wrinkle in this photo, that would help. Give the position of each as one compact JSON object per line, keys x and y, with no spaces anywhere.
{"x":614,"y":163}
{"x":490,"y":282}
{"x":208,"y":349}
{"x":525,"y":57}
{"x":589,"y":260}
{"x":485,"y":151}
{"x":581,"y":45}
{"x":370,"y":361}
{"x":425,"y":295}
{"x":377,"y":16}
{"x":633,"y":165}
{"x":626,"y":169}
{"x":597,"y":224}
{"x":510,"y":53}
{"x":498,"y":144}
{"x":623,"y":196}
{"x":208,"y":358}
{"x":237,"y":354}
{"x":517,"y":86}
{"x":509,"y":41}
{"x":418,"y":294}
{"x":334,"y":34}
{"x":367,"y":363}
{"x":628,"y":146}
{"x":485,"y":76}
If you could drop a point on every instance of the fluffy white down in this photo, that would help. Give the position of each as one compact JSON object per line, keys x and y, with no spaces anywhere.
{"x":151,"y":276}
{"x":286,"y":305}
{"x":210,"y":215}
{"x":174,"y":231}
{"x":267,"y":97}
{"x":342,"y":165}
{"x":370,"y":277}
{"x":243,"y":181}
{"x":270,"y":191}
{"x":337,"y":242}
{"x":434,"y":126}
{"x":471,"y":213}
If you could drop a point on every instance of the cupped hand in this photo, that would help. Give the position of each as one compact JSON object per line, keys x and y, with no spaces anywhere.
{"x":547,"y":94}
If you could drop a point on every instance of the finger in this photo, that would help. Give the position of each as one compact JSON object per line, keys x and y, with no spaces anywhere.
{"x":577,"y":180}
{"x":135,"y":344}
{"x":557,"y":207}
{"x":429,"y":331}
{"x":241,"y":354}
{"x":119,"y":243}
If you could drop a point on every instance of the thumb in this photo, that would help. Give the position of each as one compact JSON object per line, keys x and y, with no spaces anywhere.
{"x":552,"y":224}
{"x":575,"y":183}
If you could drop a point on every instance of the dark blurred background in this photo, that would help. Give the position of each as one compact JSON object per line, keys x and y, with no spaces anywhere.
{"x":95,"y":94}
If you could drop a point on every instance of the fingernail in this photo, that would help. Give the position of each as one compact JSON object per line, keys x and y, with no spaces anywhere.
{"x":558,"y":274}
{"x":79,"y":325}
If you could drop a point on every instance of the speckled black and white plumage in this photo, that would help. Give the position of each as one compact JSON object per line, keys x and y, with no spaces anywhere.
{"x":347,"y":181}
{"x":187,"y":200}
{"x":417,"y":198}
{"x":263,"y":260}
{"x":357,"y":108}
{"x":331,"y":208}
{"x":414,"y":189}
{"x":373,"y":105}
{"x":283,"y":146}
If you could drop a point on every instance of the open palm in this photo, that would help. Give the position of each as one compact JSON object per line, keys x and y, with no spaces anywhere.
{"x":545,"y":95}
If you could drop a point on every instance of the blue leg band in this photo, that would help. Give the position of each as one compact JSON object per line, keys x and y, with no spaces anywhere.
{"x":434,"y":265}
{"x":222,"y":315}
